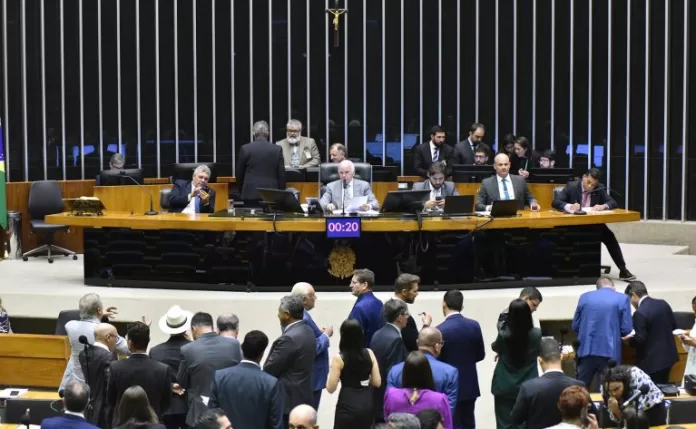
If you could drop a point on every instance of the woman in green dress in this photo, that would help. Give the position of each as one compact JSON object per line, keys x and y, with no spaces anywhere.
{"x":517,"y":346}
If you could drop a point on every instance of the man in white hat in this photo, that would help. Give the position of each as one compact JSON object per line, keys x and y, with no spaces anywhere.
{"x":176,"y":323}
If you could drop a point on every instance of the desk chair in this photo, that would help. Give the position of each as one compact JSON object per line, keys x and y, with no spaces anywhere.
{"x":164,"y":199}
{"x":46,"y":198}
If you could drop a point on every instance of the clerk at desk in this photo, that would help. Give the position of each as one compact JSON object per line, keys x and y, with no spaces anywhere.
{"x":193,"y":196}
{"x":346,"y":188}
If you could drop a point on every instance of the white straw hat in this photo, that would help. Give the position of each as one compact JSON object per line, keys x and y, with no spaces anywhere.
{"x":176,"y":321}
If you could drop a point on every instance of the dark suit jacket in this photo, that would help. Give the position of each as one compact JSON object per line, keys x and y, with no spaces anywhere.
{"x":198,"y":362}
{"x":572,"y":194}
{"x":259,"y":165}
{"x":462,"y":349}
{"x":290,"y":361}
{"x":178,"y":198}
{"x":654,"y":322}
{"x":169,"y":353}
{"x":389,"y":349}
{"x":464,"y":155}
{"x":423,"y":157}
{"x":251,"y":398}
{"x":410,"y":335}
{"x":97,"y":377}
{"x":139,"y":370}
{"x":66,"y":421}
{"x":448,"y":189}
{"x":537,"y":400}
{"x":488,"y":192}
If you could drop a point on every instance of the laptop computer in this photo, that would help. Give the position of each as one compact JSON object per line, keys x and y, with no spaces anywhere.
{"x":504,"y":208}
{"x":459,"y":205}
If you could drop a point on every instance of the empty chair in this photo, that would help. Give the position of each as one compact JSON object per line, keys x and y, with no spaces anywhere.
{"x":130,"y":270}
{"x":174,"y":246}
{"x":126,"y":234}
{"x":179,"y":262}
{"x":126,"y":245}
{"x":115,"y":257}
{"x":177,"y":236}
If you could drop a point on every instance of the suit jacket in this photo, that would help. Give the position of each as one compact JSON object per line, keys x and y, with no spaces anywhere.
{"x":572,"y":194}
{"x":320,"y":368}
{"x":139,"y":370}
{"x":97,"y":373}
{"x":601,"y":318}
{"x":448,"y":189}
{"x":464,"y":155}
{"x":259,"y":165}
{"x":244,"y":388}
{"x":198,"y":362}
{"x":169,"y":353}
{"x":423,"y":158}
{"x":368,"y":311}
{"x":178,"y":198}
{"x":334,"y":194}
{"x":463,"y":348}
{"x":388,"y":348}
{"x":446,"y":378}
{"x":410,"y":335}
{"x":66,"y":421}
{"x":308,"y":152}
{"x":654,"y":342}
{"x":536,"y":403}
{"x":488,"y":192}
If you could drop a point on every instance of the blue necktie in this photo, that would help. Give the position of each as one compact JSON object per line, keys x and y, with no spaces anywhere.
{"x":505,"y":189}
{"x":436,"y":154}
{"x":198,"y":203}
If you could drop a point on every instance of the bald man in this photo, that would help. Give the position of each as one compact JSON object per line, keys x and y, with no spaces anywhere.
{"x":446,"y":376}
{"x":95,"y":362}
{"x":303,"y":417}
{"x":504,"y":186}
{"x":320,"y":368}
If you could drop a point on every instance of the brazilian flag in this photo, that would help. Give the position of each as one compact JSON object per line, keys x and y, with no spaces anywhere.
{"x":3,"y":203}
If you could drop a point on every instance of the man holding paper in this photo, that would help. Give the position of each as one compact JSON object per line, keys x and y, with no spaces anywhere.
{"x":354,"y":193}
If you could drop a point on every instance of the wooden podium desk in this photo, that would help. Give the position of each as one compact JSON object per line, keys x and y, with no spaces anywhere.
{"x":33,"y":360}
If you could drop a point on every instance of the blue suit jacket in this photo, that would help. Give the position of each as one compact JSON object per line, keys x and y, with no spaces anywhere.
{"x":462,"y":349}
{"x":368,"y":311}
{"x":66,"y":421}
{"x":446,"y":378}
{"x":320,"y":369}
{"x":602,"y":317}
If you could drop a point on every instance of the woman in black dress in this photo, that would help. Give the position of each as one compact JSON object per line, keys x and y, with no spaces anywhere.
{"x":356,"y":368}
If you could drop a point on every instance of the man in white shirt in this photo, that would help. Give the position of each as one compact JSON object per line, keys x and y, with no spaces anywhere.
{"x":504,"y":186}
{"x":342,"y":191}
{"x":193,"y":196}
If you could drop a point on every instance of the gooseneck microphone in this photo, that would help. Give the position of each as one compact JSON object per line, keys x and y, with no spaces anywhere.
{"x":25,"y":420}
{"x":150,"y":212}
{"x":88,"y":350}
{"x":642,"y":390}
{"x":343,"y":202}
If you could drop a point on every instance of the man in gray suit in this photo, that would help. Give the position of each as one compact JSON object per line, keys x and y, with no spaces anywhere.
{"x":292,"y":355}
{"x":437,"y":186}
{"x":199,"y":361}
{"x":504,"y":186}
{"x":298,"y":151}
{"x":334,"y":196}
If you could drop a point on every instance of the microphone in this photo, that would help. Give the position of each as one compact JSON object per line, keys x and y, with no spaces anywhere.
{"x":25,"y":420}
{"x":642,"y":390}
{"x":83,"y":340}
{"x":343,"y":202}
{"x":150,"y":212}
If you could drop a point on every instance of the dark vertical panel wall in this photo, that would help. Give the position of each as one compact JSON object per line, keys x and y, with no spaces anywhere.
{"x":183,"y":81}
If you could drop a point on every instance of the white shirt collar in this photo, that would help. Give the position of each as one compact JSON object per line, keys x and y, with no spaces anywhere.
{"x":640,"y":301}
{"x":554,"y":370}
{"x":293,"y":323}
{"x":71,"y":413}
{"x":452,"y":314}
{"x":500,"y":179}
{"x":251,"y":362}
{"x":100,"y":345}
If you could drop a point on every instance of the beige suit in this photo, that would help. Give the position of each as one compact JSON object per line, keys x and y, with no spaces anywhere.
{"x":308,"y":151}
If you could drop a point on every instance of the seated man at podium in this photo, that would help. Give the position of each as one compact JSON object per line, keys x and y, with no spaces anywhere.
{"x":193,"y":196}
{"x":437,"y":186}
{"x":116,"y":163}
{"x":504,"y":186}
{"x":345,"y":189}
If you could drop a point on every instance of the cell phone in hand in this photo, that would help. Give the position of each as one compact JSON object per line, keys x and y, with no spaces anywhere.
{"x":438,"y":198}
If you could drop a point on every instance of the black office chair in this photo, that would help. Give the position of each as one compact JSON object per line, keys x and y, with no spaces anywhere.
{"x":685,"y":319}
{"x":328,"y":172}
{"x":164,"y":198}
{"x":39,"y":409}
{"x":46,"y":198}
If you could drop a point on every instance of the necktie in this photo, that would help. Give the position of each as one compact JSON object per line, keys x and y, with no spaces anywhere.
{"x":505,"y":189}
{"x":197,"y":204}
{"x":436,"y":153}
{"x":347,"y":195}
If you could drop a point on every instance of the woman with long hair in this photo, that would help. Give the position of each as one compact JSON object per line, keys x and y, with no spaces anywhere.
{"x":357,"y":369}
{"x":621,"y":382}
{"x":517,"y":346}
{"x":418,"y":391}
{"x":135,"y":412}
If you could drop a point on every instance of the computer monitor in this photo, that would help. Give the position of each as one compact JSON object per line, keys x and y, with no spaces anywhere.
{"x":471,"y":173}
{"x":387,"y":173}
{"x":551,"y":175}
{"x":280,"y":200}
{"x":124,"y":177}
{"x":184,"y":171}
{"x":405,"y":201}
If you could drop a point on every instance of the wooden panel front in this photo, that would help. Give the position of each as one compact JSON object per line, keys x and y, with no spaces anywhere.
{"x":33,"y":360}
{"x":543,"y":192}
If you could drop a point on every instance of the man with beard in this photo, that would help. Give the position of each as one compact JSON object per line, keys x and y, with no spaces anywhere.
{"x":298,"y":151}
{"x":465,"y":150}
{"x":406,"y":290}
{"x":433,"y":151}
{"x":438,"y":187}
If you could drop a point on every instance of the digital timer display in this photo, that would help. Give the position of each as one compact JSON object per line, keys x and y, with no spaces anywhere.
{"x":343,"y":227}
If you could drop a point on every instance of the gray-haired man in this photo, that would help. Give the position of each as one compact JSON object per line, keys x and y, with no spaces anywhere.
{"x":298,"y":151}
{"x":260,"y":164}
{"x":193,"y":196}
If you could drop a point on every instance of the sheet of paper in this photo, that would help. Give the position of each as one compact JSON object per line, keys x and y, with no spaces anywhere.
{"x":205,"y":399}
{"x":484,"y":213}
{"x":678,"y":332}
{"x":354,"y":204}
{"x":6,"y":393}
{"x":592,"y":210}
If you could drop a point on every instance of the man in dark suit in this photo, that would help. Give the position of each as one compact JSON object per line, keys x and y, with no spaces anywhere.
{"x":251,"y":398}
{"x":504,"y":186}
{"x":95,"y":362}
{"x":435,"y":150}
{"x":367,"y":309}
{"x":406,"y":290}
{"x":465,"y":150}
{"x":437,"y":186}
{"x":259,"y":165}
{"x":320,"y":368}
{"x":193,"y":196}
{"x":292,"y":355}
{"x":536,"y":404}
{"x":463,"y":347}
{"x":590,"y":194}
{"x":653,"y":322}
{"x":388,"y":348}
{"x":75,"y":399}
{"x":176,"y":324}
{"x":199,"y":361}
{"x":139,"y":370}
